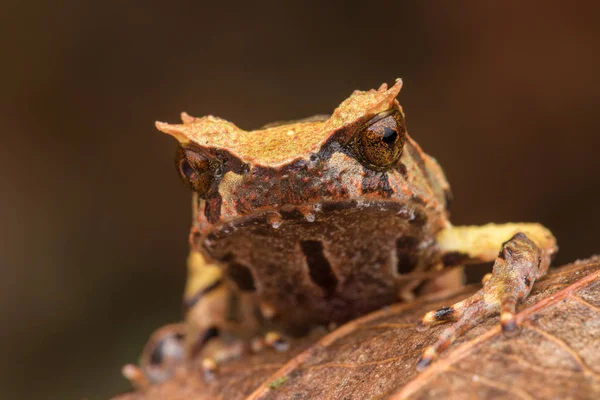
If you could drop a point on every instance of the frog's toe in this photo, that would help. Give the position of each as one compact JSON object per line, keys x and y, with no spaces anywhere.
{"x":441,"y":315}
{"x":466,"y":314}
{"x":508,"y":321}
{"x":513,"y":275}
{"x":277,"y":341}
{"x":135,"y":376}
{"x":209,"y":368}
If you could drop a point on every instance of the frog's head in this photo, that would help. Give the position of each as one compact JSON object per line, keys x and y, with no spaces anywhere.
{"x":352,"y":157}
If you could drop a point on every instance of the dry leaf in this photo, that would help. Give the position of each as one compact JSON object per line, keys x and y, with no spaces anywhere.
{"x":556,"y":355}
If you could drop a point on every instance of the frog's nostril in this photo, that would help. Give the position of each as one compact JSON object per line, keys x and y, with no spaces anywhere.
{"x":318,"y":266}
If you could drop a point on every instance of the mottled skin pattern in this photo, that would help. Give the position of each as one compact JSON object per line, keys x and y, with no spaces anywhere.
{"x":321,"y":220}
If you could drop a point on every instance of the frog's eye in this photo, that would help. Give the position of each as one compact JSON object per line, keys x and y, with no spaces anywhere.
{"x":197,"y":171}
{"x":379,"y":142}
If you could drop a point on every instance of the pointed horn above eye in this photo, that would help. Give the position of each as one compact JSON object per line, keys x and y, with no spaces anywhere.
{"x":399,"y":83}
{"x":383,"y":87}
{"x":187,"y":118}
{"x":396,"y":86}
{"x":173,"y":130}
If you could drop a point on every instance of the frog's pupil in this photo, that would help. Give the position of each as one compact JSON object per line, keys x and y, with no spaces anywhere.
{"x":187,"y":169}
{"x":389,"y":136}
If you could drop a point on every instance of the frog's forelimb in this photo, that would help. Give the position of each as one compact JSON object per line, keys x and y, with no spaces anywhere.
{"x":205,"y":302}
{"x":525,"y":254}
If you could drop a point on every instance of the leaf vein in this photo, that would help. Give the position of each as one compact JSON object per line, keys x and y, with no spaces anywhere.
{"x":496,"y":385}
{"x":586,"y":303}
{"x":564,"y":345}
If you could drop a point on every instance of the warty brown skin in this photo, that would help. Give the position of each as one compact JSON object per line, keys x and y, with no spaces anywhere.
{"x":318,"y":221}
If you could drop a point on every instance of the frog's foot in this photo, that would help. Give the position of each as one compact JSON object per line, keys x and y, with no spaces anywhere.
{"x":515,"y":270}
{"x":277,"y":341}
{"x":162,"y":355}
{"x":219,"y":351}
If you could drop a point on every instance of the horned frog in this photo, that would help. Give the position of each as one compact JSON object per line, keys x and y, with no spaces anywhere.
{"x":321,"y":220}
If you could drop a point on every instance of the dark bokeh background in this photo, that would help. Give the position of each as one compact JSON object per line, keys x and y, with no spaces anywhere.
{"x":94,"y":219}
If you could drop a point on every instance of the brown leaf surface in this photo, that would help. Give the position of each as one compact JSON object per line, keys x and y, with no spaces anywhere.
{"x":556,"y":355}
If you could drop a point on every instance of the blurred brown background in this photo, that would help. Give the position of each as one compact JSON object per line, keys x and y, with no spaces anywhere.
{"x":94,"y":218}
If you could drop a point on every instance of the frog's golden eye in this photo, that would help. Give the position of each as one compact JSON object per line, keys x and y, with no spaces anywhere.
{"x":197,"y":171}
{"x":380,"y":141}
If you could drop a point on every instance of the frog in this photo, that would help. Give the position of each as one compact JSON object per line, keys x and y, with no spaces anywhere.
{"x":317,"y":221}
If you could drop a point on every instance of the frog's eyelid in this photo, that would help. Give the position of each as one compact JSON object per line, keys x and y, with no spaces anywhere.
{"x":312,"y":118}
{"x":377,"y":118}
{"x":172,"y":130}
